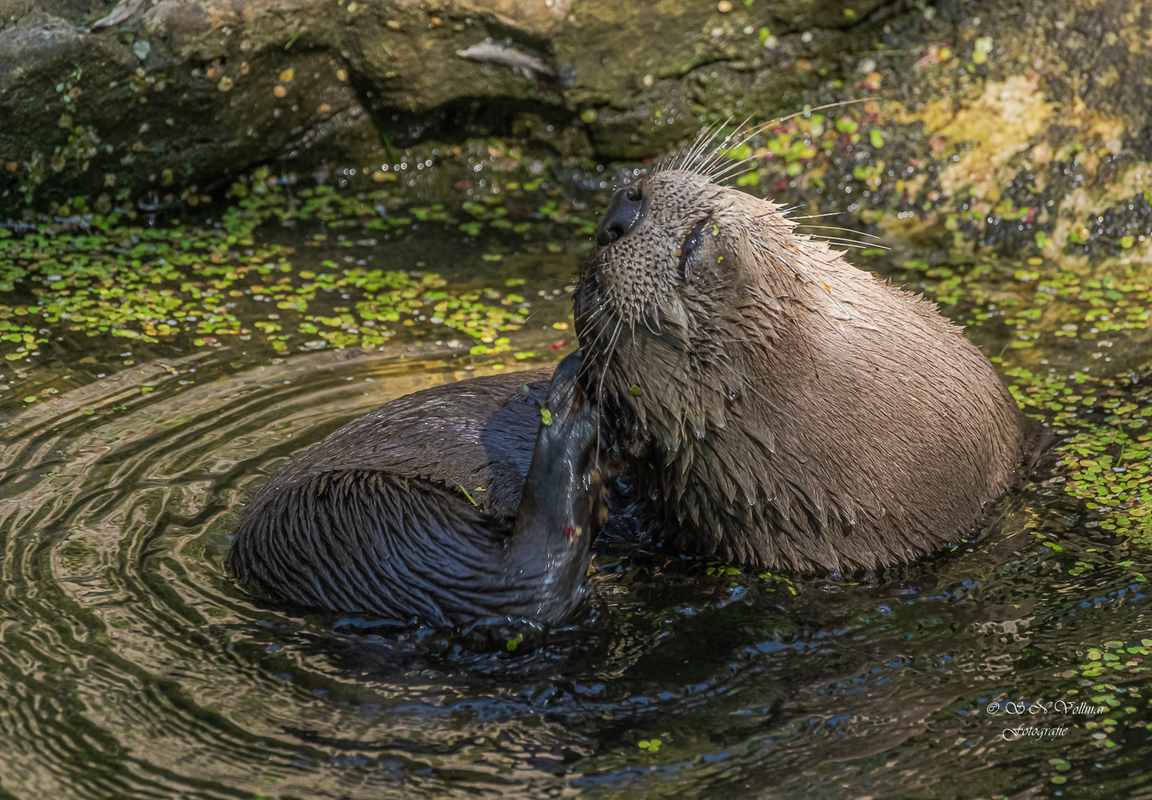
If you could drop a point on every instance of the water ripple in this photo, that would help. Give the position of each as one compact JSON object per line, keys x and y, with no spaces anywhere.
{"x":130,"y":666}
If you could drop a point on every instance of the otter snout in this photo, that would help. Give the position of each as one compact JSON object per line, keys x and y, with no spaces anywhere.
{"x":624,"y":212}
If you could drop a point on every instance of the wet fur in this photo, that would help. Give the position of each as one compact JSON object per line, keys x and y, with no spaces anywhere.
{"x":794,"y":411}
{"x":773,"y":405}
{"x":375,"y":517}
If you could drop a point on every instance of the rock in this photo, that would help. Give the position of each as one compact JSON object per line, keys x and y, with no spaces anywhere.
{"x":164,"y":101}
{"x":979,"y":107}
{"x":181,"y":95}
{"x":663,"y":114}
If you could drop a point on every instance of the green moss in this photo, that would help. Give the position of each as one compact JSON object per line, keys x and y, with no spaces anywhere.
{"x":205,"y":286}
{"x":1038,"y":309}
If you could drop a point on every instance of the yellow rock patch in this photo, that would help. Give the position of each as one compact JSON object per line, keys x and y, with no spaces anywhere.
{"x":1002,"y":122}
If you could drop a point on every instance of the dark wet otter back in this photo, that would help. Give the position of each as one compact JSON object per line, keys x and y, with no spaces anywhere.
{"x":474,"y":433}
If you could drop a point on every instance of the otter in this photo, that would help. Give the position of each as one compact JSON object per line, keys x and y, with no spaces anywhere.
{"x":777,"y":406}
{"x":764,"y":401}
{"x":453,"y":504}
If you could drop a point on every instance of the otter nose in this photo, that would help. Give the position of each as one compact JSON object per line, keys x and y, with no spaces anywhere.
{"x":621,"y":217}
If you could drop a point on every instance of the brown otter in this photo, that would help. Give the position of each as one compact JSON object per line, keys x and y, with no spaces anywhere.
{"x":773,"y":405}
{"x":777,"y":406}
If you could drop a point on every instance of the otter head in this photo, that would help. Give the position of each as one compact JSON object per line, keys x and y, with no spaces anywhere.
{"x":776,"y":405}
{"x":664,"y":300}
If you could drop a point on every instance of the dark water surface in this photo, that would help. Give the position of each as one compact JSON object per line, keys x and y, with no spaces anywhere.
{"x":131,"y":666}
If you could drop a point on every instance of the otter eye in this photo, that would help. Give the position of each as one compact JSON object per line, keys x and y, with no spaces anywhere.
{"x":689,"y":245}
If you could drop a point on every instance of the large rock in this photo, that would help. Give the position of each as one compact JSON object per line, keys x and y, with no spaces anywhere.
{"x":994,"y":122}
{"x":98,"y":98}
{"x":1025,"y":128}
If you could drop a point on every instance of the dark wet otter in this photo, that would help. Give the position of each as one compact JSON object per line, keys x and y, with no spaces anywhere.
{"x":773,"y":405}
{"x":448,"y":505}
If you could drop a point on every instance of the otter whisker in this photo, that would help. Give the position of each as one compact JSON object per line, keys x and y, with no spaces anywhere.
{"x":839,"y":241}
{"x":605,"y":300}
{"x":712,"y":167}
{"x":837,"y":228}
{"x":785,"y":211}
{"x":703,"y":142}
{"x":719,"y":170}
{"x":592,"y":317}
{"x":532,"y":314}
{"x":710,"y":162}
{"x":836,"y":241}
{"x":590,"y":347}
{"x":549,"y":300}
{"x":809,"y":216}
{"x":695,"y":152}
{"x":715,"y":159}
{"x":600,"y":387}
{"x":599,"y":310}
{"x":744,"y":165}
{"x":649,"y":319}
{"x":724,"y":146}
{"x":805,"y":111}
{"x":701,"y":145}
{"x":707,"y":167}
{"x":731,"y":172}
{"x":755,"y":130}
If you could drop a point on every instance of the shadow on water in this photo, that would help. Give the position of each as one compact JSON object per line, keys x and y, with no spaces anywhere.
{"x":131,"y":666}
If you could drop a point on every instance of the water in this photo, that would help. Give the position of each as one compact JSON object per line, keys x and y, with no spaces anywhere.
{"x":131,"y":666}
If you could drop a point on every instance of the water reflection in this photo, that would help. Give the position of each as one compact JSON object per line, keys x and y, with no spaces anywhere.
{"x":131,"y":666}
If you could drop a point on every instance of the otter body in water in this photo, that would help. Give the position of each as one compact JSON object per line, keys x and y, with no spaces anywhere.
{"x":779,"y":407}
{"x":448,"y":505}
{"x":773,"y":405}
